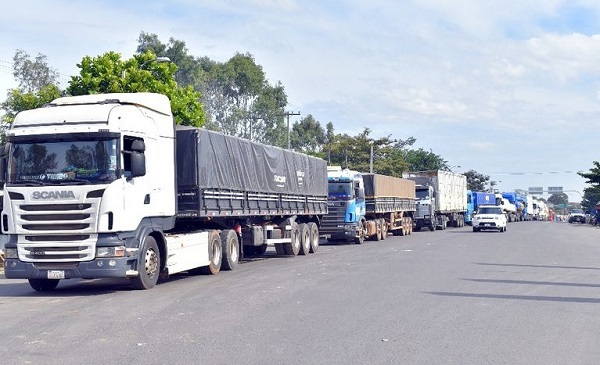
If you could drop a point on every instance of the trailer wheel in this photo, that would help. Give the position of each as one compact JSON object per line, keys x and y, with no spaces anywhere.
{"x":314,"y":236}
{"x":378,"y":229}
{"x":148,"y":265}
{"x":43,"y":284}
{"x":293,"y":248}
{"x":384,"y":229}
{"x":215,"y":255}
{"x":304,"y":239}
{"x":231,"y":249}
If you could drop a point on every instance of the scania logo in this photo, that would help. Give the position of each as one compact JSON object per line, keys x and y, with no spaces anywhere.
{"x":49,"y":195}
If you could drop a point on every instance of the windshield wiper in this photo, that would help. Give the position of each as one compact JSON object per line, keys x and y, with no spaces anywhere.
{"x":71,"y":181}
{"x":28,"y":182}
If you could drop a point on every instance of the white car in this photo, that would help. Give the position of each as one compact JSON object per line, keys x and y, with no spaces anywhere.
{"x":489,"y":217}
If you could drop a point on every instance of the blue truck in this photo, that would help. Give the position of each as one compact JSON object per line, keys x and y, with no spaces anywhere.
{"x":365,"y":206}
{"x":474,"y":200}
{"x":519,"y":199}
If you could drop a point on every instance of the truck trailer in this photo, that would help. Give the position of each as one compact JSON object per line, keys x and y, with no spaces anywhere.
{"x":474,"y":200}
{"x":106,"y":185}
{"x":441,"y":199}
{"x":365,"y":206}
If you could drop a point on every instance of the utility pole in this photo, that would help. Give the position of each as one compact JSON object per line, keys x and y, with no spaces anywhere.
{"x":287,"y":114}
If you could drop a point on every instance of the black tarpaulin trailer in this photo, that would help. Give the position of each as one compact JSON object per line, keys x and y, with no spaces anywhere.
{"x":226,"y":176}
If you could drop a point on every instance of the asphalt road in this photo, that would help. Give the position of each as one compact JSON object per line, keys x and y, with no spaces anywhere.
{"x":527,"y":296}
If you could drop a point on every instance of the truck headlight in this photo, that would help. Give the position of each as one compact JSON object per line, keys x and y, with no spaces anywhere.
{"x":118,"y":251}
{"x":11,"y":253}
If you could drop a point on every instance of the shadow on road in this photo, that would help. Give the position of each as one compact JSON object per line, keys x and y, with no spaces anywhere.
{"x":518,"y":297}
{"x":528,"y":282}
{"x":540,"y":266}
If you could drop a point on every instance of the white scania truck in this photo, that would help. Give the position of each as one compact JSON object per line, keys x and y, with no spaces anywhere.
{"x":107,"y":186}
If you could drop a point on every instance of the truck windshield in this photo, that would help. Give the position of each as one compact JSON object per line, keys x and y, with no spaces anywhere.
{"x":422,"y":194}
{"x":489,"y":210}
{"x":339,"y":190}
{"x":63,"y":162}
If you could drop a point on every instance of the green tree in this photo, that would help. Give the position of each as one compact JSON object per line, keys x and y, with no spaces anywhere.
{"x":37,"y":87}
{"x":559,"y":199}
{"x":477,"y":181}
{"x":422,"y":160}
{"x":307,"y":136}
{"x":33,"y":75}
{"x":109,"y":74}
{"x":354,"y":152}
{"x":591,"y":194}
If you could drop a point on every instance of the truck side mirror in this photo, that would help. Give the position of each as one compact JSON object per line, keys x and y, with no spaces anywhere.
{"x":138,"y":164}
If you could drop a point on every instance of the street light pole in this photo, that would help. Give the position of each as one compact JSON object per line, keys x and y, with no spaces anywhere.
{"x":287,"y":114}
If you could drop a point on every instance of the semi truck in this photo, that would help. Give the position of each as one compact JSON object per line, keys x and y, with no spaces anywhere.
{"x":474,"y":200}
{"x":441,"y":199}
{"x":366,"y":206}
{"x":519,"y":200}
{"x":101,"y":186}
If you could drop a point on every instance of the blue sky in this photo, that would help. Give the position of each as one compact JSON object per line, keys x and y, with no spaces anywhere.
{"x":510,"y":89}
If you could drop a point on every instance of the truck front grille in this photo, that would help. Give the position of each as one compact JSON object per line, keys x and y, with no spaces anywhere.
{"x":56,"y":232}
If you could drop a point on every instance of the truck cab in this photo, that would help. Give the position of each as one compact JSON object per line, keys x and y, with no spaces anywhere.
{"x":346,"y":205}
{"x":425,"y":207}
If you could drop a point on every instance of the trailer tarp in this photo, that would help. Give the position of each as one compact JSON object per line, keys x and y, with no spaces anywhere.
{"x":211,"y":160}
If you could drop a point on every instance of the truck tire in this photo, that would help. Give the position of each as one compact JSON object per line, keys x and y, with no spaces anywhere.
{"x":314,"y":236}
{"x":304,"y":239}
{"x":230,"y":246}
{"x":148,"y":265}
{"x":293,"y":248}
{"x":360,"y":238}
{"x":378,"y":228}
{"x":43,"y":284}
{"x":384,"y":229}
{"x":432,"y":228}
{"x":215,"y":255}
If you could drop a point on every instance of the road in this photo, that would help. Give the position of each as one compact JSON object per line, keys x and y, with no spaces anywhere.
{"x":530,"y":295}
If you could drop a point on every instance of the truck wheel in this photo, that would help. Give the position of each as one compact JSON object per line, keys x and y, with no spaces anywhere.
{"x":43,"y":284}
{"x":293,"y":248}
{"x":361,"y":237}
{"x":230,"y":247}
{"x":215,"y":255}
{"x":314,"y":237}
{"x":432,"y":228}
{"x":378,"y":229}
{"x":304,"y":239}
{"x":384,"y":229}
{"x":148,"y":265}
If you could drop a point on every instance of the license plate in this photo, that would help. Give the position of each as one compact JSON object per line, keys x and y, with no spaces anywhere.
{"x":56,"y":274}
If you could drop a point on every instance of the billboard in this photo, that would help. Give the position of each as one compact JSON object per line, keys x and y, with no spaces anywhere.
{"x":536,"y":190}
{"x":555,"y":189}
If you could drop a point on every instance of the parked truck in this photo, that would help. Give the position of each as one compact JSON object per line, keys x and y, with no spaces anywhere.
{"x":441,"y":199}
{"x":519,"y":200}
{"x":367,"y":206}
{"x":107,"y":186}
{"x":474,"y":200}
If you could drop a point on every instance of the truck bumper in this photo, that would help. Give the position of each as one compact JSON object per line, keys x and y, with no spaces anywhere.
{"x":423,"y":222}
{"x":348,"y":232}
{"x":116,"y":267}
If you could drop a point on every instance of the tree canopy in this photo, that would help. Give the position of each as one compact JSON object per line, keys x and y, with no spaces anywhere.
{"x":107,"y":73}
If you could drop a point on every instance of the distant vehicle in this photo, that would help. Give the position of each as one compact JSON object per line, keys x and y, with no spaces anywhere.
{"x":489,"y":217}
{"x":577,"y":215}
{"x":441,"y":199}
{"x":474,"y":200}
